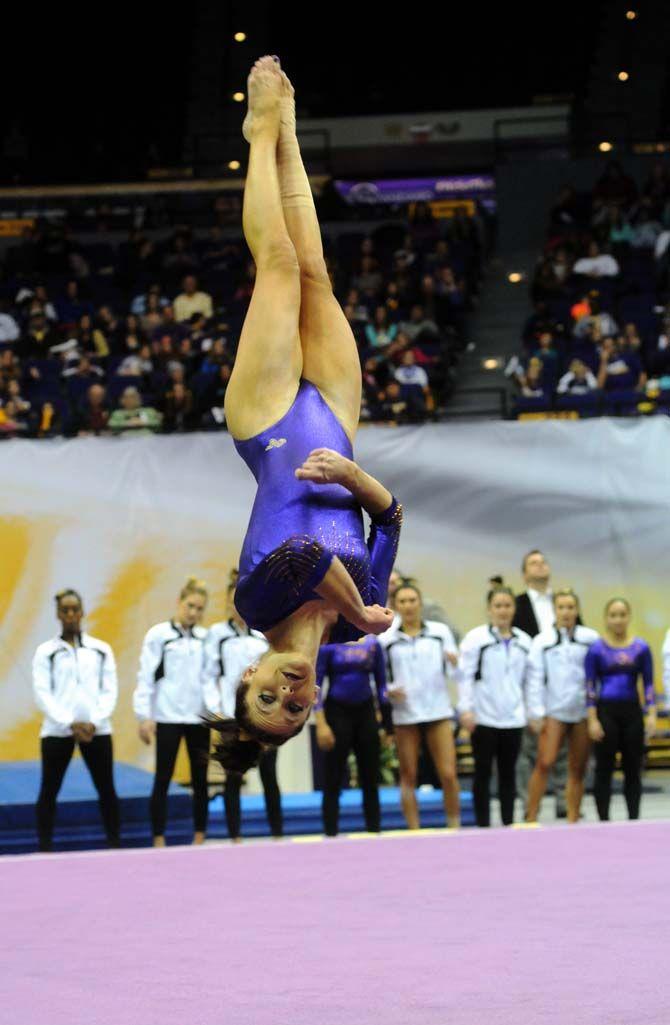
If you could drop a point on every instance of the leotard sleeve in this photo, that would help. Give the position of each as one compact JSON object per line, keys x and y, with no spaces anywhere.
{"x":383,"y":547}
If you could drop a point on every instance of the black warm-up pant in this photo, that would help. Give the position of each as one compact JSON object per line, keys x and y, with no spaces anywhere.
{"x":488,"y":743}
{"x":355,"y":729}
{"x":98,"y":758}
{"x":168,"y":737}
{"x":267,"y":768}
{"x":623,"y":724}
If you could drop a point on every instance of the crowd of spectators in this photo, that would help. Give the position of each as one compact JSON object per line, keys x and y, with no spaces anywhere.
{"x":141,"y":337}
{"x":598,"y":339}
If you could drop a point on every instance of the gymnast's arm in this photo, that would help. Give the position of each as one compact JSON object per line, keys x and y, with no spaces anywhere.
{"x":325,"y":466}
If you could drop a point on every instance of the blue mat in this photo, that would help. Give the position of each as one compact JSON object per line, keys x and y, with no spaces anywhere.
{"x":78,"y":823}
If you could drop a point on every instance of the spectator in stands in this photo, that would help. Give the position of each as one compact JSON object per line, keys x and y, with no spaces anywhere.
{"x":491,"y":705}
{"x":564,"y":214}
{"x":192,"y":300}
{"x":22,"y":407}
{"x":414,"y":387}
{"x":137,"y":363}
{"x":421,"y":657}
{"x":361,"y":313}
{"x":645,"y":230}
{"x":93,"y":412}
{"x":179,"y":258}
{"x":380,"y":333}
{"x":49,"y":424}
{"x":532,"y":381}
{"x":614,"y":186}
{"x":595,"y":317}
{"x":178,"y":409}
{"x":393,"y":407}
{"x":39,"y":339}
{"x":212,"y":399}
{"x":91,"y":338}
{"x":151,"y":298}
{"x":172,"y":695}
{"x":10,"y":366}
{"x":620,"y":232}
{"x":132,"y":418}
{"x":418,"y":324}
{"x":9,"y":329}
{"x":369,"y":279}
{"x":539,"y":320}
{"x":596,"y":264}
{"x":620,"y":369}
{"x":83,"y":369}
{"x":578,"y":380}
{"x":656,"y":190}
{"x":423,"y":227}
{"x":547,"y":353}
{"x":613,"y":666}
{"x":71,"y":307}
{"x":75,"y":686}
{"x":12,"y":423}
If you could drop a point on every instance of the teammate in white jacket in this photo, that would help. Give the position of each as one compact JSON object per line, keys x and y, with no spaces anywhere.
{"x":491,"y":705}
{"x":172,"y":695}
{"x":231,"y":647}
{"x":557,"y":697}
{"x":420,"y":657}
{"x":75,"y":685}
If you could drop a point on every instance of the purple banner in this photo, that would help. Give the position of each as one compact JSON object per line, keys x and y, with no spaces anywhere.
{"x":407,"y":190}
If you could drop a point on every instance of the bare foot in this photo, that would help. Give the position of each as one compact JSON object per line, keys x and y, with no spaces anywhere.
{"x":264,"y":91}
{"x":287,"y":105}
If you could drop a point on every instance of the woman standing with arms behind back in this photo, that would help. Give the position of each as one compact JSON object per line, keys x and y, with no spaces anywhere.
{"x":493,"y":664}
{"x":169,"y":702}
{"x":557,"y":697}
{"x":613,"y":667}
{"x":420,"y":655}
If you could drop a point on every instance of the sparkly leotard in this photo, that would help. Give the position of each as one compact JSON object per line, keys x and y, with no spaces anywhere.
{"x":297,"y":527}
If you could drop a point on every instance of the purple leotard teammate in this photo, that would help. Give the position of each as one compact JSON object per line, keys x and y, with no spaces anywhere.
{"x":292,"y":406}
{"x":347,"y":721}
{"x":613,"y":666}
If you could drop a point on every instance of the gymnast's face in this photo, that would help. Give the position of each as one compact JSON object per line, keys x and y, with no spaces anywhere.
{"x":282,"y":691}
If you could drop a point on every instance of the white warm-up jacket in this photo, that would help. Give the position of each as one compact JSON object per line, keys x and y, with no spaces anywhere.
{"x":492,"y":677}
{"x":75,"y":684}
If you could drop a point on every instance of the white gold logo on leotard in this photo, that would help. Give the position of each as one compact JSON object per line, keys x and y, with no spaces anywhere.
{"x":275,"y":443}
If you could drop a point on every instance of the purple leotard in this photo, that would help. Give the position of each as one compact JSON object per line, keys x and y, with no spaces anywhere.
{"x":612,"y":673}
{"x":297,"y":527}
{"x":348,"y":668}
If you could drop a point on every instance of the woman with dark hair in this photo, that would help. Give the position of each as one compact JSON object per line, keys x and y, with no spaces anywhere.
{"x":231,"y":646}
{"x":347,"y":721}
{"x":557,"y":698}
{"x":613,"y":666}
{"x":491,"y":706}
{"x":420,"y":657}
{"x":75,"y":686}
{"x":292,"y":407}
{"x":171,"y":699}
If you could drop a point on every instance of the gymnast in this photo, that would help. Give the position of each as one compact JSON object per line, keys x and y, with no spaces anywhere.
{"x":292,"y":407}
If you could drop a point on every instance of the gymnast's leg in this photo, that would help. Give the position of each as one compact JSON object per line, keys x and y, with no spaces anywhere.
{"x":330,"y":355}
{"x":268,"y":365}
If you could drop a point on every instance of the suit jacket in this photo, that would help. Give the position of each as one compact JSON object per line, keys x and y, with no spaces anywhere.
{"x":524,"y":617}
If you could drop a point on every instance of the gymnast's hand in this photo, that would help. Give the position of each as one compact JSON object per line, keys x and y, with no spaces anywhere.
{"x":375,"y":619}
{"x":324,"y":466}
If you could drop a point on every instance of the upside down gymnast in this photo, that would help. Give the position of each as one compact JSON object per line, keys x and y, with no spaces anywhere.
{"x":292,"y":407}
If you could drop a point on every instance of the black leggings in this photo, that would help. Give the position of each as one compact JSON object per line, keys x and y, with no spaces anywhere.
{"x":267,"y":768}
{"x":98,"y":757}
{"x":355,"y":728}
{"x":488,"y":743}
{"x":168,"y":736}
{"x":623,"y":724}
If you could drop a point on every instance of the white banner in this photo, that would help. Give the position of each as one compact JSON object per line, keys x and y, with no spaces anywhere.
{"x":125,"y":521}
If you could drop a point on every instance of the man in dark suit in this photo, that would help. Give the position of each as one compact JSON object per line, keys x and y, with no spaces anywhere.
{"x":534,"y":613}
